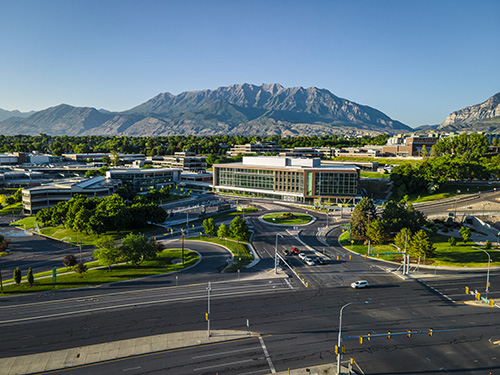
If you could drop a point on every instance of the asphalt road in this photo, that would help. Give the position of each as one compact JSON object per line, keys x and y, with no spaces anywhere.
{"x":298,"y":325}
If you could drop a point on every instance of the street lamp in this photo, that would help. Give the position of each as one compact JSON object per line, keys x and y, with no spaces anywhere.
{"x":209,"y":289}
{"x":182,"y":245}
{"x":487,"y":290}
{"x":276,"y":254}
{"x":339,"y":342}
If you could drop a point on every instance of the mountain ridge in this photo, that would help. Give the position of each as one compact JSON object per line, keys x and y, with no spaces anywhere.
{"x":484,"y":116}
{"x":236,"y":109}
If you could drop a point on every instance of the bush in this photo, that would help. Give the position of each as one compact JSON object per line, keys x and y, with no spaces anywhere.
{"x":69,"y":261}
{"x":487,"y":246}
{"x":80,"y":269}
{"x":30,"y":277}
{"x":17,"y":276}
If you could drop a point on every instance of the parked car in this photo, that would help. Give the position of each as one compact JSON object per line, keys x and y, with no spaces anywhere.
{"x":320,"y":260}
{"x":309,"y":261}
{"x":286,"y":252}
{"x":360,"y":284}
{"x":295,"y":250}
{"x":302,"y":255}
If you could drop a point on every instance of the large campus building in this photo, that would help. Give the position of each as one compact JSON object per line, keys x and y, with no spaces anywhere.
{"x":288,"y":179}
{"x":48,"y":195}
{"x":143,"y":180}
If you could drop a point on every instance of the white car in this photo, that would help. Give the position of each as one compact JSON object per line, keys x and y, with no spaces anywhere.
{"x":360,"y":284}
{"x":302,"y":255}
{"x":309,"y":261}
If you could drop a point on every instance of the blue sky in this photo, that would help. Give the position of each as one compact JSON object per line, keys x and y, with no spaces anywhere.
{"x":416,"y":61}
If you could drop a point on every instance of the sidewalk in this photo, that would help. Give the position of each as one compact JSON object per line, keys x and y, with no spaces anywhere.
{"x":79,"y":356}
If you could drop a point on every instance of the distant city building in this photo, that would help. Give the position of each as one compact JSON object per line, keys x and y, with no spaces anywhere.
{"x":143,"y":180}
{"x":48,"y":195}
{"x":401,"y":145}
{"x":187,"y":161}
{"x":17,"y":179}
{"x":309,"y":152}
{"x":199,"y":182}
{"x":255,"y":148}
{"x":288,"y":179}
{"x":125,"y":158}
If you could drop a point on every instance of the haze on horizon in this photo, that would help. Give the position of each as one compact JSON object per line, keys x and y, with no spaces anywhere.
{"x":416,"y":60}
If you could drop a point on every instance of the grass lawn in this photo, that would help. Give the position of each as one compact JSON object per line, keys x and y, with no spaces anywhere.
{"x":10,"y":209}
{"x":381,"y":161}
{"x":163,"y":264}
{"x":369,"y":174}
{"x":71,"y":236}
{"x":278,"y":218}
{"x":449,"y":190}
{"x":240,"y":251}
{"x":461,"y":255}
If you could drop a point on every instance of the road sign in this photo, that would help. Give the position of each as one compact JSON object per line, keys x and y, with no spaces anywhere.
{"x":345,"y":226}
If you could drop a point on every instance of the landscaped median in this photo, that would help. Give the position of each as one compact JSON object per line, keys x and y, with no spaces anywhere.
{"x":459,"y":255}
{"x":240,"y":250}
{"x":287,"y":218}
{"x":71,"y":236}
{"x":165,"y":262}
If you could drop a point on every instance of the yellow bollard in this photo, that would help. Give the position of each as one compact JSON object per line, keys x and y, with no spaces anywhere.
{"x":338,"y":258}
{"x":366,"y":256}
{"x":492,"y":302}
{"x":307,"y":285}
{"x":378,"y":255}
{"x":466,"y":290}
{"x":350,"y":256}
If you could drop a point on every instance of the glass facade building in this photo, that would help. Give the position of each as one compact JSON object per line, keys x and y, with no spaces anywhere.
{"x":143,"y":180}
{"x":300,"y":180}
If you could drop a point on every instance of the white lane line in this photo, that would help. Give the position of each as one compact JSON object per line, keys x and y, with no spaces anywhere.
{"x":220,"y":353}
{"x":271,"y":366}
{"x":132,"y":368}
{"x":223,"y":365}
{"x":133,"y":304}
{"x":435,"y":290}
{"x":255,"y":372}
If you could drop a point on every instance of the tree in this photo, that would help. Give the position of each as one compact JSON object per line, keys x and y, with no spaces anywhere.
{"x":239,"y":229}
{"x":487,"y":245}
{"x":421,"y":245}
{"x":223,"y":232}
{"x":137,"y":248}
{"x":17,"y":276}
{"x":363,"y":213}
{"x":107,"y":252}
{"x":209,"y":227}
{"x":465,"y":232}
{"x":452,"y":241}
{"x":402,"y":238}
{"x":30,"y":277}
{"x":69,"y":261}
{"x":80,"y":269}
{"x":375,"y":231}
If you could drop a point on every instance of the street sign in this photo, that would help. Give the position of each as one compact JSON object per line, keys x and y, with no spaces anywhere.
{"x":345,"y":226}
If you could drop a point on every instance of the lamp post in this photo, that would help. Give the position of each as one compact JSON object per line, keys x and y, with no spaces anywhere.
{"x":182,"y":245}
{"x":487,"y":290}
{"x":339,"y":342}
{"x":276,"y":254}
{"x":209,"y":289}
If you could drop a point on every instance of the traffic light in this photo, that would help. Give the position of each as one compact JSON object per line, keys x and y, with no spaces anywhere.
{"x":360,"y":339}
{"x":336,"y":349}
{"x":368,"y":336}
{"x":389,"y":335}
{"x":206,"y":317}
{"x":430,"y":332}
{"x":466,"y":290}
{"x":409,"y":334}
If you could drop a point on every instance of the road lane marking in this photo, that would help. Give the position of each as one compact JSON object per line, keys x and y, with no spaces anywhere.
{"x":133,"y":304}
{"x":255,"y":372}
{"x":132,"y":368}
{"x":271,"y":366}
{"x":223,"y":364}
{"x":435,"y":290}
{"x":220,"y":353}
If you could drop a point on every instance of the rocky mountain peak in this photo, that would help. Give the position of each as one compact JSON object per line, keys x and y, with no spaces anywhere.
{"x":486,"y":110}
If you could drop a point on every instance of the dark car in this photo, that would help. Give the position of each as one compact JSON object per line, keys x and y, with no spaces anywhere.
{"x":319,"y":260}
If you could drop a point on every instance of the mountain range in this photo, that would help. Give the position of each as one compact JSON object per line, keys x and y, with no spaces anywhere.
{"x":242,"y":109}
{"x":482,"y":117}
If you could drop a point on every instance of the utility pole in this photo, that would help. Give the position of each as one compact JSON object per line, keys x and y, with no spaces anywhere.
{"x":182,"y":246}
{"x":209,"y":289}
